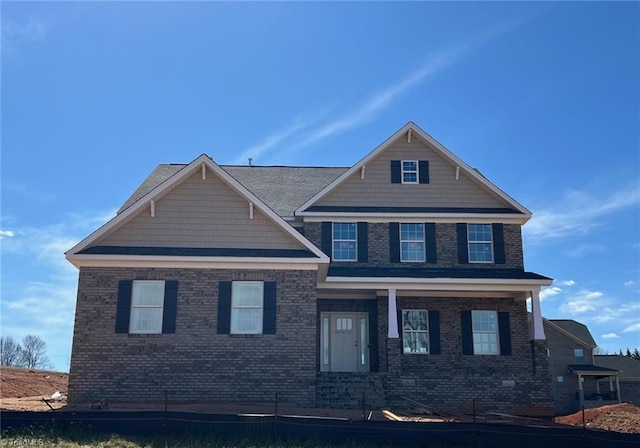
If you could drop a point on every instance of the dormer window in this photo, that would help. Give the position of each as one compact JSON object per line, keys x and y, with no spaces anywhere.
{"x":409,"y":171}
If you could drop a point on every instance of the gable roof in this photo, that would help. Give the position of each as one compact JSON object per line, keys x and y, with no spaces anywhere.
{"x":578,"y":331}
{"x":474,"y":174}
{"x":160,"y":187}
{"x":281,"y":188}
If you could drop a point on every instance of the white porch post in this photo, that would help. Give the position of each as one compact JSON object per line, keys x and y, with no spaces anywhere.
{"x":393,"y":315}
{"x":536,"y":311}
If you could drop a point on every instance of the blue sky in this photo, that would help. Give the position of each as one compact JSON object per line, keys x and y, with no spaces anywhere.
{"x":543,"y":98}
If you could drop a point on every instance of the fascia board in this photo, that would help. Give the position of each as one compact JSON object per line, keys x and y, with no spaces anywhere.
{"x":164,"y":187}
{"x":415,"y":217}
{"x":194,"y":262}
{"x":446,"y":284}
{"x":453,"y":159}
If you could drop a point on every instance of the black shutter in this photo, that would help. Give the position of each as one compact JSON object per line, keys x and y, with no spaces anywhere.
{"x":423,"y":171}
{"x":269,"y":311}
{"x":467,"y":332}
{"x":123,"y":307}
{"x":363,"y":242}
{"x":326,"y":238}
{"x":396,"y":172}
{"x":224,"y":307}
{"x":463,"y":248}
{"x":498,"y":243}
{"x":504,"y":330}
{"x":394,"y":242}
{"x":434,"y":332}
{"x":430,"y":235}
{"x":170,"y":306}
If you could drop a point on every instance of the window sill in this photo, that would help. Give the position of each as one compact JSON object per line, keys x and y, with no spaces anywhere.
{"x":246,"y":335}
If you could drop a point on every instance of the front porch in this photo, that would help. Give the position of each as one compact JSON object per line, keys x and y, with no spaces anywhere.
{"x":589,"y":394}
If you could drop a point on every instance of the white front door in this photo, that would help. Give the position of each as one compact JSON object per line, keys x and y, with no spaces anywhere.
{"x":344,"y":342}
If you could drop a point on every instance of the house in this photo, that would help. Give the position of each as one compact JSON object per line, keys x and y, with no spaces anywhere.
{"x":400,"y":276}
{"x":577,"y":380}
{"x":628,"y":376}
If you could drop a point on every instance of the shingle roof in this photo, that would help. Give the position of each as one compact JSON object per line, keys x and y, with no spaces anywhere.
{"x":413,"y":272}
{"x":590,"y":368}
{"x":281,"y":188}
{"x":578,"y":330}
{"x":628,"y":367}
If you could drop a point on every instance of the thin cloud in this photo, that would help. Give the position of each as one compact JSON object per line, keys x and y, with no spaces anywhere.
{"x":373,"y":105}
{"x":630,"y":328}
{"x":579,"y":213}
{"x":629,"y":283}
{"x":610,"y":336}
{"x":15,"y":34}
{"x":568,"y":282}
{"x":6,"y":234}
{"x":549,"y":292}
{"x":582,"y":302}
{"x":585,"y":249}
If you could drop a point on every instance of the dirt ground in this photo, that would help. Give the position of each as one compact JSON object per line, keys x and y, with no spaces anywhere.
{"x":623,"y":417}
{"x":24,"y":390}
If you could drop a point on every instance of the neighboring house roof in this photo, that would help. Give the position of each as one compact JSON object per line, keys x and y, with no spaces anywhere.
{"x":409,"y":129}
{"x":281,"y":188}
{"x":589,"y":369}
{"x":629,"y":368}
{"x":578,"y":331}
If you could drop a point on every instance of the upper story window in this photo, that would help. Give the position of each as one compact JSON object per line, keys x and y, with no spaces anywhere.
{"x":147,"y":305}
{"x":578,"y":354}
{"x":409,"y":171}
{"x":485,"y":332}
{"x":345,"y":244}
{"x":412,"y":242}
{"x":415,"y":331}
{"x":247,"y":307}
{"x":480,"y":243}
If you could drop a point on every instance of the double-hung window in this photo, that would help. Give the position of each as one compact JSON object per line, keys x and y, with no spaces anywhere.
{"x":485,"y":332}
{"x":480,"y":243}
{"x":415,"y":331}
{"x":578,"y":354}
{"x":147,"y":302}
{"x":247,"y":307}
{"x":409,"y":171}
{"x":412,"y":242}
{"x":345,"y":242}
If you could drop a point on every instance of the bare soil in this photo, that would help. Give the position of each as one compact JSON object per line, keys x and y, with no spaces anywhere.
{"x":24,"y":389}
{"x":623,"y":417}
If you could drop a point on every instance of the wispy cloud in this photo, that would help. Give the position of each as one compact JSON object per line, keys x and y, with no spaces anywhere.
{"x":550,"y":292}
{"x":582,"y":302}
{"x":629,"y":283}
{"x":568,"y":282}
{"x":17,"y":33}
{"x":579,"y":213}
{"x":585,"y":249}
{"x":630,"y":328}
{"x":6,"y":234}
{"x":378,"y":101}
{"x":610,"y":336}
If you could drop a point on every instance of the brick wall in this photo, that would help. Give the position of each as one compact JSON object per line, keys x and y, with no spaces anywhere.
{"x":195,"y":363}
{"x":446,"y":247}
{"x":451,"y":381}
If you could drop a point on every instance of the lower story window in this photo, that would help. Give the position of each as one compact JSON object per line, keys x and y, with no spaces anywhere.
{"x":485,"y":332}
{"x":415,"y":331}
{"x":147,"y":302}
{"x":247,"y":307}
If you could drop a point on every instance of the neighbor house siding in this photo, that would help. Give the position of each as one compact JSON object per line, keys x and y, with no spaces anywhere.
{"x":194,"y":363}
{"x":201,"y":213}
{"x":443,"y":190}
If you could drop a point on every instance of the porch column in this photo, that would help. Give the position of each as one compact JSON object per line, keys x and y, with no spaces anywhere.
{"x":393,"y":315}
{"x":618,"y":388}
{"x":536,"y":311}
{"x":580,"y":391}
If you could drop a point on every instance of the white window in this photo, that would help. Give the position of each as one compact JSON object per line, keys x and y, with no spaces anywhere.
{"x":345,"y":241}
{"x":415,"y":331}
{"x":412,"y":242}
{"x":480,"y":243}
{"x":578,"y":354}
{"x":246,"y":307}
{"x":485,"y":332}
{"x":147,"y":302}
{"x":409,"y":171}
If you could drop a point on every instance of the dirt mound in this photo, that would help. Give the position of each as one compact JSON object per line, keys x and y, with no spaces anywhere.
{"x":19,"y":383}
{"x":623,"y":417}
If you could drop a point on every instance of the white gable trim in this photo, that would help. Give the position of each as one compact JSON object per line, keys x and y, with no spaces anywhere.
{"x":414,"y":217}
{"x":166,"y":186}
{"x":444,"y":152}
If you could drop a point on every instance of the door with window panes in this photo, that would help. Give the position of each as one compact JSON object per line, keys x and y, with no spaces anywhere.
{"x":344,"y":342}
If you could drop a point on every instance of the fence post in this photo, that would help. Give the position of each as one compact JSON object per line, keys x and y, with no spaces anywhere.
{"x":166,"y":407}
{"x":364,"y":407}
{"x":275,"y":417}
{"x":475,"y":427}
{"x":584,"y":427}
